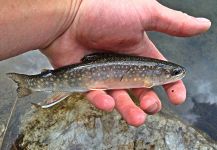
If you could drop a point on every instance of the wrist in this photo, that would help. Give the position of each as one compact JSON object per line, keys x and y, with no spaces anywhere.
{"x":63,"y":14}
{"x":33,"y":24}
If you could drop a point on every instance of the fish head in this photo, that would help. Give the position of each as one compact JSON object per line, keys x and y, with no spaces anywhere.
{"x":172,"y":73}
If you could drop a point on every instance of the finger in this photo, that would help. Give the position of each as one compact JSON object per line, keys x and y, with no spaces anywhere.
{"x":174,"y":22}
{"x":129,"y":111}
{"x":176,"y":91}
{"x":101,"y":100}
{"x":149,"y":100}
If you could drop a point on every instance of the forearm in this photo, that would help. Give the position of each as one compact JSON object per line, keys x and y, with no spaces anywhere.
{"x":32,"y":24}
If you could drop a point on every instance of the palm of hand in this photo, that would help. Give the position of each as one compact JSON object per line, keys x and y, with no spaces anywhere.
{"x":118,"y":26}
{"x":110,"y":28}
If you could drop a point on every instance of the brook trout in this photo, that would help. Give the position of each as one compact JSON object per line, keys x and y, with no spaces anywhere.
{"x":101,"y":71}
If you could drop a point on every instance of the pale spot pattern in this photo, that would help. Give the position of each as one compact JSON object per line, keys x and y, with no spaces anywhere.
{"x":111,"y":75}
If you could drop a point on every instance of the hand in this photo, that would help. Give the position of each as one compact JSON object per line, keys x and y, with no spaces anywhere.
{"x":119,"y":26}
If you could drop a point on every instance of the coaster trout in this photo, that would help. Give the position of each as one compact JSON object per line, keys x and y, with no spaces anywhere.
{"x":101,"y":71}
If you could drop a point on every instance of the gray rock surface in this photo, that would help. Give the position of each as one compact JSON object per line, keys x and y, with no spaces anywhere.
{"x":2,"y":129}
{"x":76,"y":124}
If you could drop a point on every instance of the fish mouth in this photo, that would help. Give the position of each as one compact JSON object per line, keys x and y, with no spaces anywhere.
{"x":184,"y":72}
{"x":182,"y":75}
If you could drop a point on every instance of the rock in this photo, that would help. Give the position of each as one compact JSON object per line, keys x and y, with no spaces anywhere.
{"x":76,"y":124}
{"x":2,"y":130}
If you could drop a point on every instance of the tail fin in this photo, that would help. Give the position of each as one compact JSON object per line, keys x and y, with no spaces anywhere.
{"x":20,"y":79}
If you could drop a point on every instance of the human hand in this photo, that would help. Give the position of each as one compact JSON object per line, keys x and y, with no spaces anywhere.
{"x":119,"y":26}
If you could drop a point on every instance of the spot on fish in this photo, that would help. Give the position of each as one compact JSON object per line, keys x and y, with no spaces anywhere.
{"x":65,"y":76}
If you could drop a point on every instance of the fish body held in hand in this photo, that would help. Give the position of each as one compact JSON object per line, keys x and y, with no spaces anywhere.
{"x":101,"y":71}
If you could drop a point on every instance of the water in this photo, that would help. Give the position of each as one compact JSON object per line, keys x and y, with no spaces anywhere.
{"x":198,"y":55}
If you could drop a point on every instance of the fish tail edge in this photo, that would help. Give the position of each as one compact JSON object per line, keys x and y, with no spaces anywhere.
{"x":22,"y":89}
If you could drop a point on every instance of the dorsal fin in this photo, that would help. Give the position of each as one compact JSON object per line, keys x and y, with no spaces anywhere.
{"x":45,"y":71}
{"x":97,"y":56}
{"x":91,"y":57}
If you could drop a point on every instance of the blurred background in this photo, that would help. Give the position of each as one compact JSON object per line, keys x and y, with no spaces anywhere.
{"x":197,"y":54}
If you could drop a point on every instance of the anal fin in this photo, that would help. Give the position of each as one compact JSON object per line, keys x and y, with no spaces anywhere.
{"x":22,"y":91}
{"x":54,"y":99}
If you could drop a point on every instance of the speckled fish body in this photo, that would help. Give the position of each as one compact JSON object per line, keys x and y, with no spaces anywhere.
{"x":101,"y":71}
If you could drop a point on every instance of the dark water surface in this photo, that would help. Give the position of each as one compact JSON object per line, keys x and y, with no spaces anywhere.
{"x":198,"y":55}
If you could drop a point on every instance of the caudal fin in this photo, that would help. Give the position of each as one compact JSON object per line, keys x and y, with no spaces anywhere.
{"x":20,"y":79}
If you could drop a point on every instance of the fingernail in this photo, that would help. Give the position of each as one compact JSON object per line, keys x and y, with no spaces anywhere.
{"x":200,"y":19}
{"x":152,"y":109}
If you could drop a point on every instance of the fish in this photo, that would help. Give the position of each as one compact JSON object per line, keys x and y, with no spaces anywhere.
{"x":101,"y":71}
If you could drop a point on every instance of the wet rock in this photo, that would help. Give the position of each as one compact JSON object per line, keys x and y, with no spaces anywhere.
{"x":76,"y":124}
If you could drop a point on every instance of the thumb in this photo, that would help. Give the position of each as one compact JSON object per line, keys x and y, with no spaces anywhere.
{"x":174,"y":22}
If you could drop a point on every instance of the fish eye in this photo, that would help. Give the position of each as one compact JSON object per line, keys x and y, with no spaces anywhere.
{"x":176,"y":72}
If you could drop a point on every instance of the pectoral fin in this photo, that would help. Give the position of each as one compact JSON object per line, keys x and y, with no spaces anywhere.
{"x":100,"y":86}
{"x":148,"y":84}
